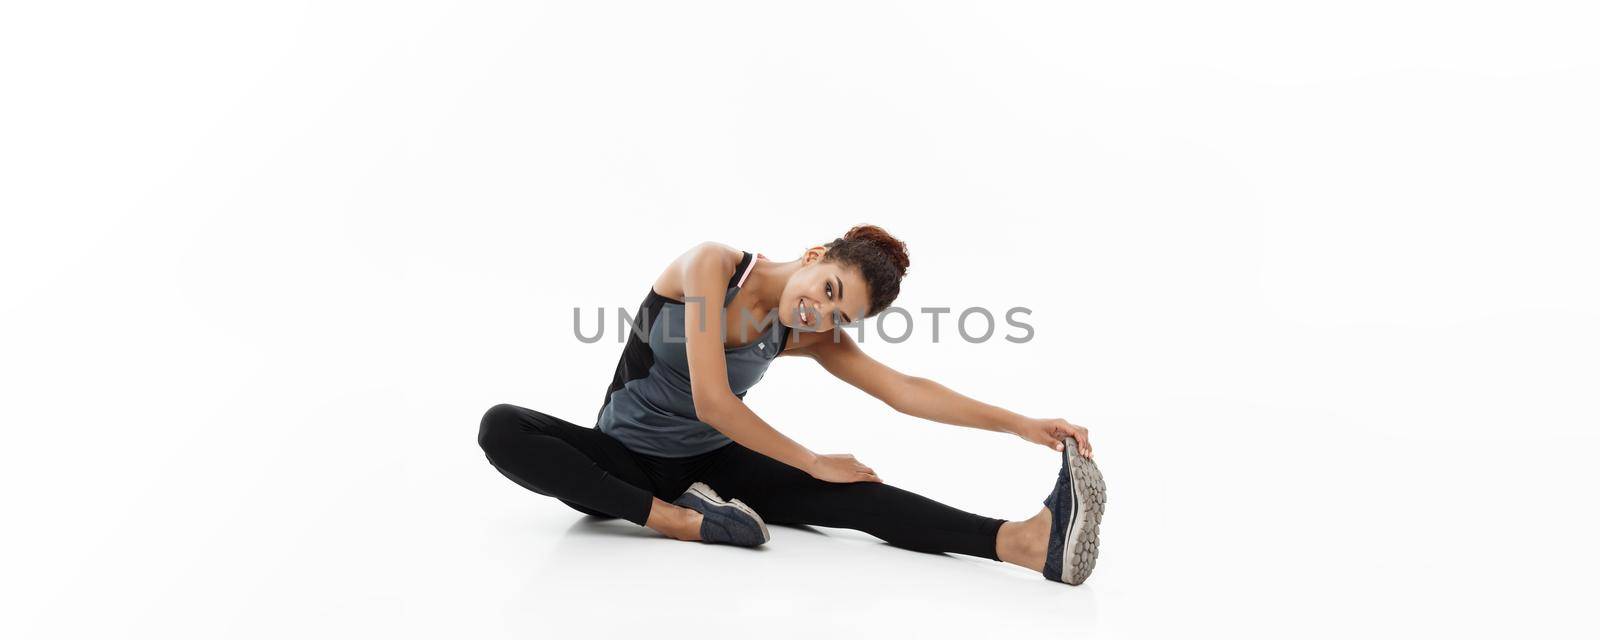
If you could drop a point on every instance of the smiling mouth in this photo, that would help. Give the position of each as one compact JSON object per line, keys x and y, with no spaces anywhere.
{"x":800,"y":312}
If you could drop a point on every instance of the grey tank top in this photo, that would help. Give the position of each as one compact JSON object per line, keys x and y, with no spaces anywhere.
{"x":649,"y":406}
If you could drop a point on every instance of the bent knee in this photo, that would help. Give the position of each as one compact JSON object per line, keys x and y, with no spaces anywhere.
{"x":498,"y":421}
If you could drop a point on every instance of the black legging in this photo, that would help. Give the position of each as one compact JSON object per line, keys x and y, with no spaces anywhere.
{"x":595,"y":474}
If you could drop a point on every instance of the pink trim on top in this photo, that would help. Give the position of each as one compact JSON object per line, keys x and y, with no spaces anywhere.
{"x":748,"y":269}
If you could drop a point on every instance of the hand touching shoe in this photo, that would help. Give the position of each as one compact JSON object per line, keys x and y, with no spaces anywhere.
{"x":1053,"y":432}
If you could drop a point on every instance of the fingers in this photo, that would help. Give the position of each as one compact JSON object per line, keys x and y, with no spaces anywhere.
{"x":1063,"y":437}
{"x":1053,"y":441}
{"x":853,"y":470}
{"x":1084,"y":448}
{"x":1079,"y":435}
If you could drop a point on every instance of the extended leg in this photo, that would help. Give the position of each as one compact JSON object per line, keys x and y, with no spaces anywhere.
{"x":785,"y":495}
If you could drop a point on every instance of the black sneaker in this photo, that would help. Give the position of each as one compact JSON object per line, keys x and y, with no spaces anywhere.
{"x":1075,"y":506}
{"x":731,"y":522}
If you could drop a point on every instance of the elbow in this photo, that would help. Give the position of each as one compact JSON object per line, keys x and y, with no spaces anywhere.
{"x":712,"y":410}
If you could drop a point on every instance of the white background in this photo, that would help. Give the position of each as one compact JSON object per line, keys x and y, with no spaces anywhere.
{"x":1319,"y":277}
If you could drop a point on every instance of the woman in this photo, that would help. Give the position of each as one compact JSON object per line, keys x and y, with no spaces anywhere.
{"x":674,"y":425}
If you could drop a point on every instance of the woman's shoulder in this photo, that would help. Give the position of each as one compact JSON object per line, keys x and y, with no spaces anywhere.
{"x":709,"y":254}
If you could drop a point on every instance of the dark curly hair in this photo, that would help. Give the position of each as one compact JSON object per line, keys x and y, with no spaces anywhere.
{"x":881,"y":257}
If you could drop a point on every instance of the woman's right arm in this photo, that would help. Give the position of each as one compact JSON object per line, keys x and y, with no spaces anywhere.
{"x":705,"y":271}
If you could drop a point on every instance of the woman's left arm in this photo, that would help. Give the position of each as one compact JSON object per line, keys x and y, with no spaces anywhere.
{"x":930,"y":400}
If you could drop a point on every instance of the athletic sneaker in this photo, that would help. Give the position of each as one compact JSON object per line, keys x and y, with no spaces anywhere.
{"x":724,"y":522}
{"x":1075,"y":506}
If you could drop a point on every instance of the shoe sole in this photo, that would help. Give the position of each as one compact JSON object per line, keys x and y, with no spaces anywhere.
{"x":1088,"y":504}
{"x":706,"y":493}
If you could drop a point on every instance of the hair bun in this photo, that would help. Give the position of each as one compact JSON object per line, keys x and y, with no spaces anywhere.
{"x":882,"y":259}
{"x":890,"y":245}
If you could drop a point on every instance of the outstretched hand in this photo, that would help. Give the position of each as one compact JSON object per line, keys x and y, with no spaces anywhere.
{"x":1053,"y":433}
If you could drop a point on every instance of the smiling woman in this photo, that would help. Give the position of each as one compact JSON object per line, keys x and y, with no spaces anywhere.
{"x":673,"y":425}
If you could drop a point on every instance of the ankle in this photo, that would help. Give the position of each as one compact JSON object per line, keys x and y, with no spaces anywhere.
{"x":1025,"y":542}
{"x":691,"y":525}
{"x":674,"y":521}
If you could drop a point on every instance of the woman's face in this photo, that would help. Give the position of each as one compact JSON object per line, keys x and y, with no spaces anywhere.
{"x":823,"y":294}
